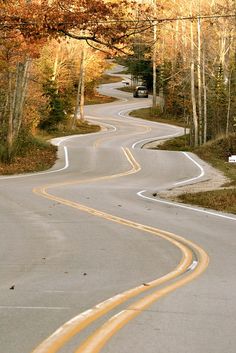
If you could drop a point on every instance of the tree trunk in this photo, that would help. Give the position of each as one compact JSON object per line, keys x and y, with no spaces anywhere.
{"x":154,"y":59}
{"x":20,"y":94}
{"x":55,"y":63}
{"x":204,"y":97}
{"x":9,"y":112}
{"x":79,"y":109}
{"x":16,"y":99}
{"x":199,"y":66}
{"x":82,"y":85}
{"x":229,"y":106}
{"x":193,"y":97}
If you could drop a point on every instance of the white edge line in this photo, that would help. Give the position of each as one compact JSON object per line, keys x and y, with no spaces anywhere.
{"x":195,"y":178}
{"x":102,"y":123}
{"x":66,"y":157}
{"x":175,"y":204}
{"x":122,"y":112}
{"x":152,"y":139}
{"x":193,"y":265}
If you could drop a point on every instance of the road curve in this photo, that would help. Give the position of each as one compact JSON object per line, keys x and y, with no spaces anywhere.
{"x":91,"y":261}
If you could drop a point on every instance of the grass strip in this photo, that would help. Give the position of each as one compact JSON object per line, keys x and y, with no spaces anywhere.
{"x":220,"y":200}
{"x":153,"y":114}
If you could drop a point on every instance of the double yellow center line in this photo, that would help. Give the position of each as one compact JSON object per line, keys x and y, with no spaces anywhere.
{"x":178,"y":277}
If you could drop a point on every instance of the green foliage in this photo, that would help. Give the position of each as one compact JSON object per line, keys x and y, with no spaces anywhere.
{"x":180,"y":143}
{"x":56,"y":107}
{"x":215,"y":152}
{"x":177,"y":90}
{"x":217,"y":109}
{"x":155,"y":114}
{"x":4,"y":156}
{"x":82,"y":127}
{"x":139,"y":65}
{"x":141,"y":69}
{"x":24,"y":143}
{"x":221,"y":148}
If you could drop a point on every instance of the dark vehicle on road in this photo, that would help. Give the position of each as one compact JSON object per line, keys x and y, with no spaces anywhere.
{"x":141,"y":92}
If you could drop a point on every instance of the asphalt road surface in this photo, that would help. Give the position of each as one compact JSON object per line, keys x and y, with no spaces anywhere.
{"x":91,"y":261}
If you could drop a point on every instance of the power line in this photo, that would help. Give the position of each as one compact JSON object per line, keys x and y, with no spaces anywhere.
{"x":166,"y":19}
{"x":153,"y":20}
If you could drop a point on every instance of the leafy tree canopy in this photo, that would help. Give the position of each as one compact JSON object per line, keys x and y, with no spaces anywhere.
{"x":96,"y":21}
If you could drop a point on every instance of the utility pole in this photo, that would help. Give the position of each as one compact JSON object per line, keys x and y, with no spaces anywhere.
{"x":199,"y":71}
{"x":154,"y":57}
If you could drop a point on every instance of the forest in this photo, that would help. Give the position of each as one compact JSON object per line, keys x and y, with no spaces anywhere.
{"x":53,"y":54}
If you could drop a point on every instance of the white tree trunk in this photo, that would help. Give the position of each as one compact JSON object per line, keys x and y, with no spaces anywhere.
{"x":229,"y":106}
{"x":55,"y":63}
{"x":204,"y":97}
{"x":79,"y":109}
{"x":154,"y":59}
{"x":21,"y":88}
{"x":199,"y":67}
{"x":9,"y":112}
{"x":82,"y":85}
{"x":16,"y":99}
{"x":193,"y":97}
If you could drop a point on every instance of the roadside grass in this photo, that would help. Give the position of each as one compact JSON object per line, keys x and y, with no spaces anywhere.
{"x":99,"y":99}
{"x":109,"y":79}
{"x":82,"y":127}
{"x":220,"y":200}
{"x":36,"y":154}
{"x":123,"y":72}
{"x":215,"y":153}
{"x":128,"y":89}
{"x":180,"y":143}
{"x":155,"y":115}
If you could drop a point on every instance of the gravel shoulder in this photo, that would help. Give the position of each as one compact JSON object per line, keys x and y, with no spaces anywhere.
{"x":213,"y":179}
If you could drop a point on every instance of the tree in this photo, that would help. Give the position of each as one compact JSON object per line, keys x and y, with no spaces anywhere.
{"x":65,"y":72}
{"x":26,"y":26}
{"x":203,"y":41}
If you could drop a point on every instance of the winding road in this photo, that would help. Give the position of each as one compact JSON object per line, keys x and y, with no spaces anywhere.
{"x":92,"y":262}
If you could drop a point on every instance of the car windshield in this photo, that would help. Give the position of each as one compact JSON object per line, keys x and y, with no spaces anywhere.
{"x":142,"y":88}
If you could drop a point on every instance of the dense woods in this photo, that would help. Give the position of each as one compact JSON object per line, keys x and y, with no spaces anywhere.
{"x":40,"y":61}
{"x":47,"y":46}
{"x":196,"y":64}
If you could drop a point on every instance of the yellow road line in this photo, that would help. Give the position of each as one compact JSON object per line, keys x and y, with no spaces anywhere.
{"x":95,"y":342}
{"x":98,"y":142}
{"x":135,"y":167}
{"x":72,"y":327}
{"x":68,"y":330}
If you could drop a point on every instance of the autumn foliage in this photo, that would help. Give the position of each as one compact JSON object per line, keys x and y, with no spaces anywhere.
{"x":82,"y":19}
{"x":195,"y":58}
{"x":25,"y":28}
